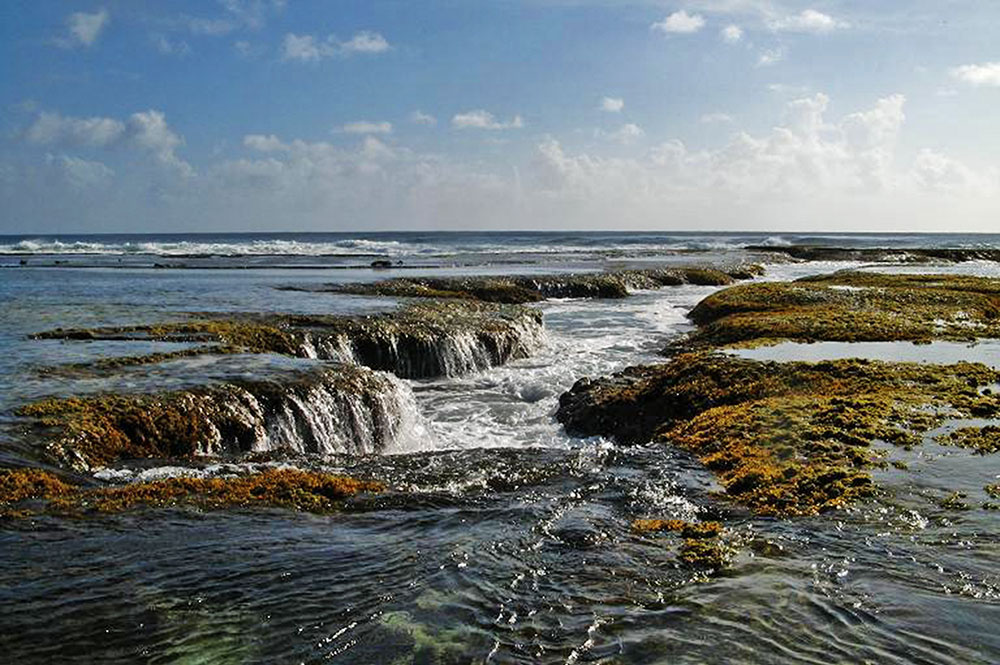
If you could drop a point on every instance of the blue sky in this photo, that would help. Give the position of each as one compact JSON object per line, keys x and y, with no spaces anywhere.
{"x":520,"y":114}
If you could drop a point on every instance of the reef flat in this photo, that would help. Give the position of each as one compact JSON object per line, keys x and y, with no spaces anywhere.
{"x":783,"y":439}
{"x":850,"y":307}
{"x":521,"y":289}
{"x":916,"y":255}
{"x":420,"y":340}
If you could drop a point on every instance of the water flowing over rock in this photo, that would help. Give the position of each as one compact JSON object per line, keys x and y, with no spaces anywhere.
{"x":429,"y":339}
{"x":333,"y":409}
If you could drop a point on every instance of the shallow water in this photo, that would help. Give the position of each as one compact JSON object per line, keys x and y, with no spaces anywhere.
{"x":503,"y":539}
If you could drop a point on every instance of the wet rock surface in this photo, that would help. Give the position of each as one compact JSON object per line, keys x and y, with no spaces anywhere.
{"x":333,"y":408}
{"x":783,"y":438}
{"x":28,"y":492}
{"x":528,"y":289}
{"x":851,"y":306}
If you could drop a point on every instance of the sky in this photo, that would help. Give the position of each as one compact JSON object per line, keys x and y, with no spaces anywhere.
{"x":336,"y":115}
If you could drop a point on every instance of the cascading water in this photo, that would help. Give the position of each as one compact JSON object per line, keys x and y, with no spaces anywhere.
{"x":371,"y":416}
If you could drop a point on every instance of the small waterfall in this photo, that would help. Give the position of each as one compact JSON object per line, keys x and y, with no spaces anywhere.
{"x":369,"y":412}
{"x":424,"y":355}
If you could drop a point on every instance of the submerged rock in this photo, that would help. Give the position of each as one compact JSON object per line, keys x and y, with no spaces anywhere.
{"x":332,"y":409}
{"x":782,"y":438}
{"x":851,"y":306}
{"x":431,"y":339}
{"x":519,"y":289}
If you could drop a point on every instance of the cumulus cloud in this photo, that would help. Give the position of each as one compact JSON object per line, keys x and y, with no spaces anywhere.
{"x":680,"y":22}
{"x":421,"y":118}
{"x":481,"y":119}
{"x":811,"y":169}
{"x":367,"y":127}
{"x":731,"y":34}
{"x":810,"y":21}
{"x":81,"y":174}
{"x":307,"y":48}
{"x":612,"y":104}
{"x":146,"y":131}
{"x":984,"y":75}
{"x":84,"y":29}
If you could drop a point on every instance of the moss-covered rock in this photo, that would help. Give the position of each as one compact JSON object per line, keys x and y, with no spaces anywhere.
{"x":342,"y":408}
{"x":782,"y":438}
{"x":284,"y":488}
{"x":428,"y":339}
{"x":851,"y":306}
{"x":529,"y":289}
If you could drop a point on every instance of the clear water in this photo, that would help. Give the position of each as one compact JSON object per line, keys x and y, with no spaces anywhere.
{"x":503,"y":540}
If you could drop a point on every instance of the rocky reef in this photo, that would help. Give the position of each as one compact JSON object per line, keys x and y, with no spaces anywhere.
{"x":421,"y":340}
{"x":880,"y":254}
{"x":27,"y":492}
{"x":782,"y":438}
{"x":331,"y":409}
{"x":850,"y":306}
{"x":520,"y":289}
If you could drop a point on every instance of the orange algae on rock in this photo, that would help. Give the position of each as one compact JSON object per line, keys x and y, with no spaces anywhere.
{"x":100,"y":429}
{"x":782,"y":438}
{"x":293,"y":489}
{"x":702,"y":546}
{"x":694,"y":530}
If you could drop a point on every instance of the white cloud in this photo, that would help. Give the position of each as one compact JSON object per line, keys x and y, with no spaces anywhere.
{"x":626,"y":134}
{"x":146,"y":131}
{"x":421,"y":118}
{"x":984,"y":75}
{"x":53,"y":129}
{"x":80,"y":173}
{"x":716,"y":118}
{"x":612,"y":104}
{"x":810,"y":21}
{"x":306,"y":48}
{"x":770,"y":57}
{"x":731,"y":34}
{"x":365,"y":42}
{"x":813,"y":169}
{"x":269,"y":143}
{"x":84,"y":29}
{"x":480,"y":119}
{"x":367,"y":127}
{"x":680,"y":22}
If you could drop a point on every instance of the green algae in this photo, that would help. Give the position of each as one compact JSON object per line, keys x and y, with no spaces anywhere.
{"x":851,"y":306}
{"x":292,"y":489}
{"x":782,"y":438}
{"x":983,"y":440}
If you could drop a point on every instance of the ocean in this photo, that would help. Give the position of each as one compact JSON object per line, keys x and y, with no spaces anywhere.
{"x":502,"y":538}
